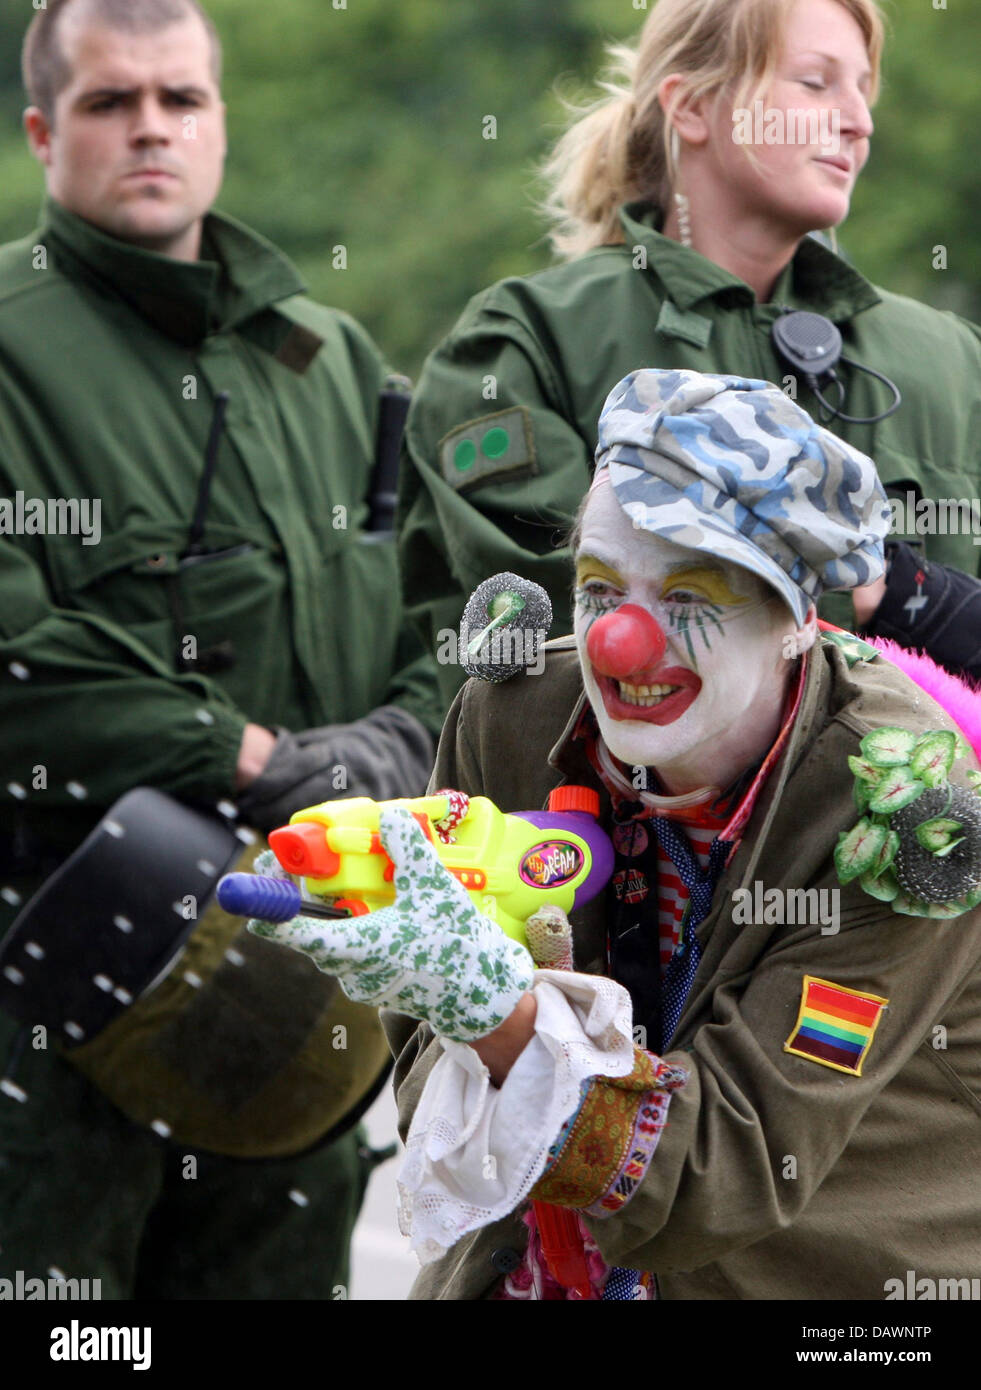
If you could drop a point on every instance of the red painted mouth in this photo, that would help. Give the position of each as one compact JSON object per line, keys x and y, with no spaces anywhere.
{"x":666,"y":711}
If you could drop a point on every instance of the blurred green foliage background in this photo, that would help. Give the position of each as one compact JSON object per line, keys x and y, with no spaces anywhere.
{"x":362,"y":127}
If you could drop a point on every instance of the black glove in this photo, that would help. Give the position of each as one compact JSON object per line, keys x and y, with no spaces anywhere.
{"x":386,"y":755}
{"x":933,"y":607}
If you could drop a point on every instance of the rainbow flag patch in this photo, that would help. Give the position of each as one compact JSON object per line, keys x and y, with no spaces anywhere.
{"x":835,"y":1025}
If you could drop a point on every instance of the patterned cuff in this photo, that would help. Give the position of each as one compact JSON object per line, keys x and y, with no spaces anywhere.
{"x":605,"y":1147}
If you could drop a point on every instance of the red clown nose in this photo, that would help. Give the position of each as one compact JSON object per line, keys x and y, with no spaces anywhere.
{"x":624,"y":642}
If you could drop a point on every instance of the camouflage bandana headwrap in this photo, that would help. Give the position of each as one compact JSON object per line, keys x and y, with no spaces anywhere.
{"x":733,"y":467}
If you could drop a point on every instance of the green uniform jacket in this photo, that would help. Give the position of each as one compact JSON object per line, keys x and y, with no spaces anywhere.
{"x":110,"y":361}
{"x":503,"y":426}
{"x":776,"y":1176}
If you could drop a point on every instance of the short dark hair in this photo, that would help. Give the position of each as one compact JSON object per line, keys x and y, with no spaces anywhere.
{"x":43,"y":63}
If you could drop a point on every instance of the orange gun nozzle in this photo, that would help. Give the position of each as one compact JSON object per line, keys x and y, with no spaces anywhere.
{"x":302,"y":849}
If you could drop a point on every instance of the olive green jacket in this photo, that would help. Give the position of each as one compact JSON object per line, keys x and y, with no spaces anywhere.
{"x":111,"y":359}
{"x":502,"y":431}
{"x":776,"y":1176}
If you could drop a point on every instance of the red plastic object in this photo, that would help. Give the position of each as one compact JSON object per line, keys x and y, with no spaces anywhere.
{"x":563,"y":1248}
{"x":573,"y":798}
{"x":303,"y":849}
{"x":625,"y":642}
{"x":354,"y":906}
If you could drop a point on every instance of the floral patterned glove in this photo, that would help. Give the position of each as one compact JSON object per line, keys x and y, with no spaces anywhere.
{"x":431,"y":955}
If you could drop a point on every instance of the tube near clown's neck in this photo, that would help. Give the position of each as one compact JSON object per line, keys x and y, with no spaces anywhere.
{"x":701,"y":796}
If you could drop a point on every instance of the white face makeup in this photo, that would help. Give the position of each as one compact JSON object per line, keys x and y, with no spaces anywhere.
{"x":708,"y":704}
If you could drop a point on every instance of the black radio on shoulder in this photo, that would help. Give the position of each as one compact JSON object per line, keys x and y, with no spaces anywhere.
{"x":811,"y":344}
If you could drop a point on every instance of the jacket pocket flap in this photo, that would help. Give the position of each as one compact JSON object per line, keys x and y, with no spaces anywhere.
{"x":146,"y":548}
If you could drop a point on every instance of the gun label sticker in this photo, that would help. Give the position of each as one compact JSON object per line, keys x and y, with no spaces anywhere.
{"x":486,"y":448}
{"x":551,"y":864}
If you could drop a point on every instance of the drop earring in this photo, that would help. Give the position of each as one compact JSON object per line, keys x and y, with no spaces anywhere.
{"x":681,"y":203}
{"x":683,"y":210}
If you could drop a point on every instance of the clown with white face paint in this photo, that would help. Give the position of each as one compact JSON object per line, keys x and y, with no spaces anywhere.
{"x":653,"y":1090}
{"x":719,"y":513}
{"x":684,"y":657}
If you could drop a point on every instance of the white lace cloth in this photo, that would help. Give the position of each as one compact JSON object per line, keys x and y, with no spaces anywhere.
{"x":474,"y":1152}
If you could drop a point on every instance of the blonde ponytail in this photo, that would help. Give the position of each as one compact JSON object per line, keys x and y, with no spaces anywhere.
{"x":594,"y":169}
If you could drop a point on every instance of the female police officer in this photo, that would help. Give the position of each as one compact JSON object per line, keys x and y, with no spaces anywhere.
{"x":681,"y":204}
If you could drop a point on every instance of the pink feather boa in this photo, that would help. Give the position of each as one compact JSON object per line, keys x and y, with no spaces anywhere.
{"x":958,"y":696}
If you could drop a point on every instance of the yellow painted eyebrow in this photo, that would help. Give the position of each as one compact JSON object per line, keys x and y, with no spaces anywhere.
{"x":708,"y":580}
{"x":588,"y":567}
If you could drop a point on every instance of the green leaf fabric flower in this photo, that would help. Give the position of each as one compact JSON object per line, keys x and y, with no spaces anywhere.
{"x":935,"y":833}
{"x":933,"y":758}
{"x":897,"y":789}
{"x":888,"y":747}
{"x":859,"y":849}
{"x":918,"y":843}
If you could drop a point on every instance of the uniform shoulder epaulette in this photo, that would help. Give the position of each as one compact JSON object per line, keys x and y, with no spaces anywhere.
{"x":852,"y":648}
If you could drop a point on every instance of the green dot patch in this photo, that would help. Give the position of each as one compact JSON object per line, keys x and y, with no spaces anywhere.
{"x":489,"y":447}
{"x":464,"y":455}
{"x":495,"y":443}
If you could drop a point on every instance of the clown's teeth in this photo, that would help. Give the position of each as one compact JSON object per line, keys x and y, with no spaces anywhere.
{"x":645,"y":694}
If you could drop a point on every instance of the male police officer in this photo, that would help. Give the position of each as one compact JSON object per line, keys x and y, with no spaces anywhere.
{"x":207,"y":609}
